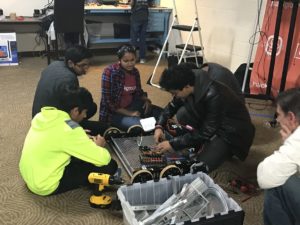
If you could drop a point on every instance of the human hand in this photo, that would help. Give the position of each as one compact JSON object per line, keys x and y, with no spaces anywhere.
{"x":158,"y":135}
{"x":99,"y":140}
{"x":162,"y":148}
{"x":285,"y":132}
{"x":135,"y":113}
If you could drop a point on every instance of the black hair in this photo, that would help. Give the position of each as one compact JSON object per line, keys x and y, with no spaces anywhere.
{"x":289,"y":101}
{"x":177,"y":77}
{"x":77,"y":53}
{"x":75,"y":97}
{"x":125,"y":49}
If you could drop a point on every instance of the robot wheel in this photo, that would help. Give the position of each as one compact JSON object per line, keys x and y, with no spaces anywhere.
{"x":111,"y":132}
{"x":170,"y":170}
{"x":141,"y":176}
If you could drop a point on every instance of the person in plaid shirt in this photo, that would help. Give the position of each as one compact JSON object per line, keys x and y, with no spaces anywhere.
{"x":123,"y":101}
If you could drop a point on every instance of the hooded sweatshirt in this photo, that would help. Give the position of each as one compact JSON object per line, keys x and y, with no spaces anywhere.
{"x":51,"y":141}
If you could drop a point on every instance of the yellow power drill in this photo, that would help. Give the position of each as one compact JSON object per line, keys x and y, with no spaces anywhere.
{"x":97,"y":200}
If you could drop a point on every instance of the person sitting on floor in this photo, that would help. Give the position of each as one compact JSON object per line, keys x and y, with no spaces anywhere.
{"x":225,"y":76}
{"x":221,"y":74}
{"x":218,"y":120}
{"x":279,"y":173}
{"x":58,"y":155}
{"x":123,"y":101}
{"x":60,"y":74}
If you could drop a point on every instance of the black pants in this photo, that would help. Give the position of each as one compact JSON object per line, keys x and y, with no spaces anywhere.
{"x":96,"y":127}
{"x":77,"y":172}
{"x":71,"y":39}
{"x":213,"y":152}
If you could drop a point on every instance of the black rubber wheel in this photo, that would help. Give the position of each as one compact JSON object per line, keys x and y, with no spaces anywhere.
{"x":141,"y":176}
{"x":170,"y":170}
{"x":111,"y":132}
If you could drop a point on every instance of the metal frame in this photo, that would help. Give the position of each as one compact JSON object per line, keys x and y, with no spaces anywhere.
{"x":163,"y":50}
{"x":273,"y":54}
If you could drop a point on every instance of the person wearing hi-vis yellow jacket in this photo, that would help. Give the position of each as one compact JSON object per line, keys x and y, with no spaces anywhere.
{"x":58,"y":154}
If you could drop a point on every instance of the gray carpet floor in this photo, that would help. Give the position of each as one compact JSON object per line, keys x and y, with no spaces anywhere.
{"x":19,"y":206}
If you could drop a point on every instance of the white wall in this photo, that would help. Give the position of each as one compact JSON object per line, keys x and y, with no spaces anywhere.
{"x":22,"y":7}
{"x":26,"y":42}
{"x":227,"y":25}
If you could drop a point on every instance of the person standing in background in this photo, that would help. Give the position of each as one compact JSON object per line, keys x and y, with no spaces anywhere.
{"x":138,"y":26}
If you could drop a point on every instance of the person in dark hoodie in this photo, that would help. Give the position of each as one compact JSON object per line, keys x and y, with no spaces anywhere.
{"x":219,"y":124}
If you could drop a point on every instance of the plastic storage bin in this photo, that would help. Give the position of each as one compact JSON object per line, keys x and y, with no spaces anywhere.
{"x":146,"y":197}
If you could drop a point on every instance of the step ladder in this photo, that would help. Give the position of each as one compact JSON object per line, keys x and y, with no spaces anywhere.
{"x":183,"y":51}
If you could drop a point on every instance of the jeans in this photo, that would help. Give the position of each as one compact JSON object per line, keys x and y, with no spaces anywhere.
{"x":282,"y":204}
{"x":138,"y":36}
{"x":124,"y":122}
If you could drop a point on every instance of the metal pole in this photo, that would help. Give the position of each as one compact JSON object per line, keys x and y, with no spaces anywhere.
{"x":251,"y":47}
{"x":274,"y":47}
{"x":199,"y":31}
{"x":289,"y":45}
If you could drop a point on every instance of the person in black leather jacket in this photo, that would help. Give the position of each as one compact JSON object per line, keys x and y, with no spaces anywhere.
{"x":219,"y":122}
{"x":222,"y":74}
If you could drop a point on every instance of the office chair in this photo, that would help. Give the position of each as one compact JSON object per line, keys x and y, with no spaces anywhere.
{"x":69,"y":20}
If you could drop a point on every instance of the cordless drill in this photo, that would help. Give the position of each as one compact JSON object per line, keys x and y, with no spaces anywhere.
{"x":101,"y":180}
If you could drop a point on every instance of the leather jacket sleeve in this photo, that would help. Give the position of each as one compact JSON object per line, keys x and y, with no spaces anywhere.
{"x":169,"y":111}
{"x":212,"y":106}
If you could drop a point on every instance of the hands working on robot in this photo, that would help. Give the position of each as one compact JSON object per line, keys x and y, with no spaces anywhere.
{"x":162,"y":145}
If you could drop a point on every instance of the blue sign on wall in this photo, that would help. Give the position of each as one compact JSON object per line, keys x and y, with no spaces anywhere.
{"x":8,"y":49}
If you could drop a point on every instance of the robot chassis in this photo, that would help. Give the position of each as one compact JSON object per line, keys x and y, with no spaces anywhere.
{"x":142,"y":165}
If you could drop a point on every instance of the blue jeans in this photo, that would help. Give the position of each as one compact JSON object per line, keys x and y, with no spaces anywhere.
{"x":138,"y":36}
{"x":124,"y":122}
{"x":282,"y":204}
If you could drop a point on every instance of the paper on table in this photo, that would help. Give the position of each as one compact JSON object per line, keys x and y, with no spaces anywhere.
{"x":148,"y":124}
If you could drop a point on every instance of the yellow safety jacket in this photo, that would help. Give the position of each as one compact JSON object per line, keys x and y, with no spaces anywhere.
{"x":51,"y":141}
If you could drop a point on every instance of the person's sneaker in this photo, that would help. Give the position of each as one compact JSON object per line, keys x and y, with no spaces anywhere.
{"x":142,"y":61}
{"x":156,"y":51}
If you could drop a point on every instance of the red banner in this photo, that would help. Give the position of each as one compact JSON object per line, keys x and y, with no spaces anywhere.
{"x":260,"y":72}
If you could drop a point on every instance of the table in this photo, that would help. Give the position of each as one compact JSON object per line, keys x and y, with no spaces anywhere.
{"x":25,"y":25}
{"x":158,"y":22}
{"x":157,"y":30}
